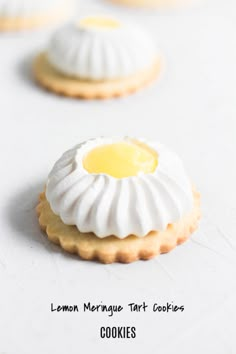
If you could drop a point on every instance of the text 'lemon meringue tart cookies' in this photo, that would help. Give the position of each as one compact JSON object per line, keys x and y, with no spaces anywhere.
{"x":118,"y":200}
{"x":27,"y":14}
{"x":98,"y":57}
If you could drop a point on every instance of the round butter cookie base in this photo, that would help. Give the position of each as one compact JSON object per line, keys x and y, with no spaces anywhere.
{"x":111,"y":249}
{"x":48,"y":77}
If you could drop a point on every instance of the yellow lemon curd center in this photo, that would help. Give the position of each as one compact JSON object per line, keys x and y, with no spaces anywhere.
{"x":99,"y":22}
{"x":122,"y":159}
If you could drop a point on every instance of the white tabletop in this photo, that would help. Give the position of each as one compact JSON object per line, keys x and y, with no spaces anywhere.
{"x":192,"y":109}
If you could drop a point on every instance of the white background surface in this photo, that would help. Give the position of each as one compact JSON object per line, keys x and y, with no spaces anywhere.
{"x":192,"y":110}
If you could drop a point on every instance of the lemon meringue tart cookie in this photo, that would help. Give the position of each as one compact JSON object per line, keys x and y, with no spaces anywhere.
{"x":27,"y":14}
{"x":98,"y":57}
{"x":152,"y":3}
{"x":118,"y":200}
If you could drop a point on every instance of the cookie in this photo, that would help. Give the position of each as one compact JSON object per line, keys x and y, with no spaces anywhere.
{"x":51,"y":79}
{"x":14,"y":21}
{"x":98,"y":57}
{"x":111,"y":249}
{"x":151,"y":3}
{"x":118,"y":200}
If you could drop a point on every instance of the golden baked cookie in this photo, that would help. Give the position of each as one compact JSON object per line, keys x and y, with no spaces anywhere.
{"x":111,"y":249}
{"x":118,"y":200}
{"x":53,"y":80}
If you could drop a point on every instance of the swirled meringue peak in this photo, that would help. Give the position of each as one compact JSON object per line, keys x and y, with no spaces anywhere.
{"x":120,"y":187}
{"x":24,"y":8}
{"x":101,"y":48}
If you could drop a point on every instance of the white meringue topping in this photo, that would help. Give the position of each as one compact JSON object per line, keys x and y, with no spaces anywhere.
{"x":107,"y":206}
{"x":99,"y":48}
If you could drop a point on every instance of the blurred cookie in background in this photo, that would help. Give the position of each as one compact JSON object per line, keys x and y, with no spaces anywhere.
{"x":152,"y":3}
{"x":98,"y":57}
{"x":27,"y":14}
